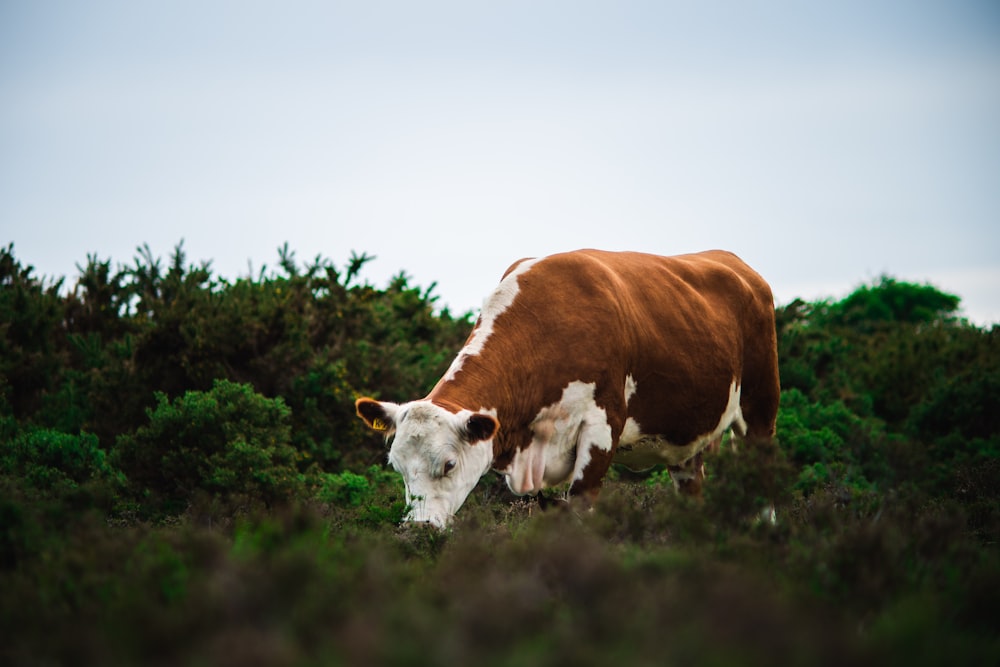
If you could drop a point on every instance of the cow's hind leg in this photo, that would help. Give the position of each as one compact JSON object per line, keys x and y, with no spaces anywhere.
{"x":758,"y":435}
{"x":689,"y":477}
{"x":761,"y":390}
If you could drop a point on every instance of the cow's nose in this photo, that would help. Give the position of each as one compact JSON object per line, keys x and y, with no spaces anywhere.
{"x":438,"y":521}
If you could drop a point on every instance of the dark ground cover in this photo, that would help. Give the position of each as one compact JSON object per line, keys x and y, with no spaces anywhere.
{"x":182,"y":481}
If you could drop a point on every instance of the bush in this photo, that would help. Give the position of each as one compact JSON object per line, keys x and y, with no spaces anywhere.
{"x":831,"y":444}
{"x":228,"y":442}
{"x":374,"y":498}
{"x":30,"y":313}
{"x":965,"y":404}
{"x":347,"y":488}
{"x":889,"y":301}
{"x":57,"y":463}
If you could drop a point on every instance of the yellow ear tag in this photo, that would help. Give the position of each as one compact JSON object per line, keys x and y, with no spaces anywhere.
{"x":379,"y":425}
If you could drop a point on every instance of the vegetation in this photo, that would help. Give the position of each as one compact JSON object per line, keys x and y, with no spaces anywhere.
{"x":183,"y":481}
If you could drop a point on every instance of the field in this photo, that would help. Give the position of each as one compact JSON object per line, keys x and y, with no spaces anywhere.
{"x":182,"y":481}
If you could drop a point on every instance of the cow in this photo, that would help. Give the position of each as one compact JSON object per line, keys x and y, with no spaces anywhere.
{"x":585,"y":358}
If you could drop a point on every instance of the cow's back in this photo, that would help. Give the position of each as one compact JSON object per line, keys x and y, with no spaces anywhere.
{"x":697,"y":324}
{"x":681,"y":329}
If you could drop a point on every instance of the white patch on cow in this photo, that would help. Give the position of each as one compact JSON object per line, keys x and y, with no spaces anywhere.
{"x":639,"y":450}
{"x":494,"y":306}
{"x":440,"y":467}
{"x":593,"y":434}
{"x":631,"y":433}
{"x":630,"y":388}
{"x":563,"y":434}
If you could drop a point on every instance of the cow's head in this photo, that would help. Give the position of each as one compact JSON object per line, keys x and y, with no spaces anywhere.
{"x":440,"y":454}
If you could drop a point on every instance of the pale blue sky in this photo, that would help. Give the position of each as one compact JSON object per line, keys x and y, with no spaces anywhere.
{"x":826,"y":143}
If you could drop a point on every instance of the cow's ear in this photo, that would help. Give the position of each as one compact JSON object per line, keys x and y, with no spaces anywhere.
{"x":380,"y":416}
{"x":480,"y":427}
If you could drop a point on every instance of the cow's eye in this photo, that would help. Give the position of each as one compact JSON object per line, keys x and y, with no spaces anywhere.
{"x":449,"y":466}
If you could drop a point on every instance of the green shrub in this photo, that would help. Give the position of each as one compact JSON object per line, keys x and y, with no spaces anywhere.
{"x":30,"y":313}
{"x":372,"y":498}
{"x":965,"y":404}
{"x":889,"y":301}
{"x":345,"y":488}
{"x":831,"y":443}
{"x":58,"y":463}
{"x":324,"y":426}
{"x":227,"y":442}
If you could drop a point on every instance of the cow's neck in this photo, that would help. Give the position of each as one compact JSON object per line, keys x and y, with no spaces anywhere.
{"x":470,"y":390}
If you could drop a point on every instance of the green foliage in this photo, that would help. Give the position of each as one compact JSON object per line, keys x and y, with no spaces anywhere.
{"x":872,"y":350}
{"x":324,"y":426}
{"x":889,"y":302}
{"x":229,"y":441}
{"x":58,"y":463}
{"x":371,"y":499}
{"x":964,"y":403}
{"x":29,"y":321}
{"x":94,"y":358}
{"x":833,"y":584}
{"x":179,"y":458}
{"x":831,"y":444}
{"x":346,"y":488}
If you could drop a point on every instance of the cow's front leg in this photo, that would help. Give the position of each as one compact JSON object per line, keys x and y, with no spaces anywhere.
{"x":595,"y":449}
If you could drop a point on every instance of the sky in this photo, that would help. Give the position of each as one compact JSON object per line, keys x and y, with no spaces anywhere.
{"x":826,"y":143}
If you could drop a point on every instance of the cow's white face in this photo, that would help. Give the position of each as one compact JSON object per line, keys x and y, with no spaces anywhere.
{"x":441,"y":455}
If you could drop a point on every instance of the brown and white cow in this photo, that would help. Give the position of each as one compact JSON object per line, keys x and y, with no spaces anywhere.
{"x":588,"y":357}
